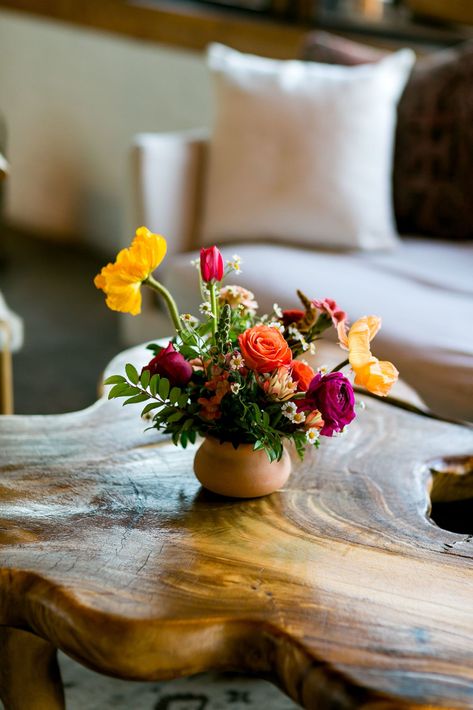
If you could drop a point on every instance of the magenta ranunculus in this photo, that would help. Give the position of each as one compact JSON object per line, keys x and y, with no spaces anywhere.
{"x":334,"y":398}
{"x":171,"y":364}
{"x":211,"y":264}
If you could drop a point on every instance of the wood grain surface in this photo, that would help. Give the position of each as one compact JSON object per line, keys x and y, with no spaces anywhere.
{"x":339,"y":586}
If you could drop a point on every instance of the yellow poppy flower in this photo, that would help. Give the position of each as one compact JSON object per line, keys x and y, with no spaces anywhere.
{"x":121,"y":281}
{"x":376,"y":376}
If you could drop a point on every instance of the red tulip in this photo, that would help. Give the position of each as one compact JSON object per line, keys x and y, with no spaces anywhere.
{"x":211,"y":264}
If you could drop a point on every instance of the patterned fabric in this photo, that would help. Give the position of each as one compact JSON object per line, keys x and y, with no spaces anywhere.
{"x":433,"y":162}
{"x":433,"y":167}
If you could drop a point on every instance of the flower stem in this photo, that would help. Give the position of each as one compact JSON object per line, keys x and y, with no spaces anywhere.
{"x":213,"y":304}
{"x":341,"y":366}
{"x":168,"y":299}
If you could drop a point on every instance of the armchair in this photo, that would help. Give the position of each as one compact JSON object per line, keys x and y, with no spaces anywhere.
{"x":11,"y":328}
{"x":11,"y":338}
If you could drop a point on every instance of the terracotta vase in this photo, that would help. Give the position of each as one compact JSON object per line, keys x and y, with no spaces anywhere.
{"x":241,"y":472}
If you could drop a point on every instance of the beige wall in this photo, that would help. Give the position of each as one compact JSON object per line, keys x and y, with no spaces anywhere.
{"x":72,"y":100}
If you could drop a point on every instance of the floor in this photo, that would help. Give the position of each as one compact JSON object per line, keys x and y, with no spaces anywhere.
{"x":70,"y":336}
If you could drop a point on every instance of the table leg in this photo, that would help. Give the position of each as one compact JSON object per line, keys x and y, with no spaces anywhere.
{"x":6,"y":376}
{"x":29,"y":672}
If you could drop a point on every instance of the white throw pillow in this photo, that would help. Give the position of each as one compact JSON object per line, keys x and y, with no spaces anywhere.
{"x":302,"y":152}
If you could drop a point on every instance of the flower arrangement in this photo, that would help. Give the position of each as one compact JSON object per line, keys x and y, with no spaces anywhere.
{"x":234,"y":375}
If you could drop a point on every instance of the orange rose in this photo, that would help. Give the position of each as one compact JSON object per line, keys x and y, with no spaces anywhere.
{"x":303,"y":374}
{"x":264,"y":349}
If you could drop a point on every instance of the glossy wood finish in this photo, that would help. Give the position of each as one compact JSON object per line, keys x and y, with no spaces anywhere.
{"x":338,"y":585}
{"x":29,"y":673}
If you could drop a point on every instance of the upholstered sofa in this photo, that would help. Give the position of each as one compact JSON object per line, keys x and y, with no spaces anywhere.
{"x":423,"y":289}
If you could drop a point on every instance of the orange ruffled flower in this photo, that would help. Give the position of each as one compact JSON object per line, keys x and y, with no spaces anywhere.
{"x":121,"y":281}
{"x":376,"y":376}
{"x":210,"y":406}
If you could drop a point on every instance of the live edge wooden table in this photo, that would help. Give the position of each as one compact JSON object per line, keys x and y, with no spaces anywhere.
{"x":339,"y":586}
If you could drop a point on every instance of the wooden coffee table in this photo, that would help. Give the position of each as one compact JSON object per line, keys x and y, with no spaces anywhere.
{"x":339,"y":586}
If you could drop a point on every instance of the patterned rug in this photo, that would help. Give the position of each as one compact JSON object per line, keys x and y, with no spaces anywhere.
{"x":86,"y":690}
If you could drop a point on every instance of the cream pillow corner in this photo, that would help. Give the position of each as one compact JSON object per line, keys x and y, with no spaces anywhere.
{"x":303,"y":152}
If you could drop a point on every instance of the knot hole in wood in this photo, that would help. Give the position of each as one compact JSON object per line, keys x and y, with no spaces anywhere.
{"x":451,"y":493}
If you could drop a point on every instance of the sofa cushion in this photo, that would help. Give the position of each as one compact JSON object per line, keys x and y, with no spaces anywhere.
{"x":424,"y":295}
{"x":433,"y":170}
{"x":302,"y":152}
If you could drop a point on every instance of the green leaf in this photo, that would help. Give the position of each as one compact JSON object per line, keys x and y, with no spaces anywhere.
{"x":174,"y":395}
{"x":272,"y":456}
{"x":153,"y":384}
{"x":175,"y":417}
{"x":137,"y":399}
{"x":187,"y":424}
{"x":150,"y":406}
{"x":184,"y":439}
{"x":145,"y":378}
{"x":182,"y":401}
{"x":192,"y":436}
{"x":175,"y":438}
{"x":164,"y":388}
{"x":114,"y":379}
{"x":132,"y":373}
{"x":123,"y":389}
{"x":257,"y":412}
{"x":166,"y":411}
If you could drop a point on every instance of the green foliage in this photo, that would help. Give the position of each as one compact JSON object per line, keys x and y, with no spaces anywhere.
{"x":166,"y":406}
{"x":223,"y":330}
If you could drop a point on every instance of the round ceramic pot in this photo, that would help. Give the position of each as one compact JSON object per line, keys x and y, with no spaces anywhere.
{"x":241,"y":472}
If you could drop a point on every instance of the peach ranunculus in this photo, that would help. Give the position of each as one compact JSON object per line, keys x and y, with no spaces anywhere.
{"x":238,"y":297}
{"x":264,"y":349}
{"x":303,"y":374}
{"x":279,"y":384}
{"x":121,"y":281}
{"x":314,"y":420}
{"x":376,"y":376}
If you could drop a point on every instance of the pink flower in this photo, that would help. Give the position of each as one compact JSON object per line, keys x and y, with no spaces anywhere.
{"x":331,"y":308}
{"x":211,"y":264}
{"x":171,"y":364}
{"x":332,"y":395}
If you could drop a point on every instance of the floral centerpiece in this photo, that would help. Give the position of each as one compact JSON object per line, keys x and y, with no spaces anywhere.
{"x":237,"y":378}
